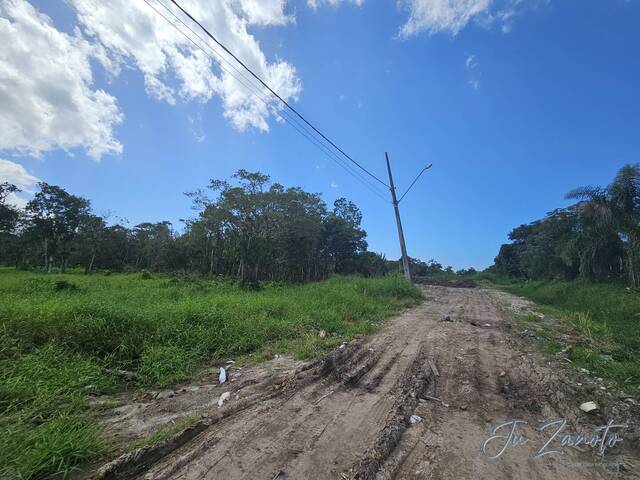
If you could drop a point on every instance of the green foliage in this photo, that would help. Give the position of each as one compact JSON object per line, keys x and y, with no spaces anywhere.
{"x":164,"y":433}
{"x":252,"y":230}
{"x":597,"y":239}
{"x":46,"y":427}
{"x":60,"y":285}
{"x":606,"y":319}
{"x":58,"y":345}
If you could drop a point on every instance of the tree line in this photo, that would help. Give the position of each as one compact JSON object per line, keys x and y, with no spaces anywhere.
{"x":597,"y":238}
{"x":249,"y":228}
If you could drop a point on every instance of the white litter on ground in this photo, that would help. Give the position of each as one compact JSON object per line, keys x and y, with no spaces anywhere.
{"x":588,"y":406}
{"x":223,"y":398}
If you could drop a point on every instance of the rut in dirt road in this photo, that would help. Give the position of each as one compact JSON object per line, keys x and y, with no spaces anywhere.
{"x":348,"y":417}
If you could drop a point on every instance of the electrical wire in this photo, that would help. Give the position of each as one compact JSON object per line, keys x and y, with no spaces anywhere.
{"x":260,"y":96}
{"x":210,"y":35}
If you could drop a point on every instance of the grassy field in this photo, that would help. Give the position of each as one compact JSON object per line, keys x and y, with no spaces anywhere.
{"x":64,"y":338}
{"x":603,"y":320}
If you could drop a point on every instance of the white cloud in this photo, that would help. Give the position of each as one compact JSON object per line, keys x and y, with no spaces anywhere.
{"x":196,"y":127}
{"x":472,"y":67}
{"x":333,"y":184}
{"x":316,"y":3}
{"x":16,"y":174}
{"x":435,"y":16}
{"x":46,"y":88}
{"x":173,"y":68}
{"x":471,"y":62}
{"x":265,"y":12}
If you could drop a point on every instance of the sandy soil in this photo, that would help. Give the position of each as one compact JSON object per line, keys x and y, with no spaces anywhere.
{"x":455,"y":361}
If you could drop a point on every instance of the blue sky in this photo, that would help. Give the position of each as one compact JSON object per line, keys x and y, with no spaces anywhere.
{"x":514,"y":103}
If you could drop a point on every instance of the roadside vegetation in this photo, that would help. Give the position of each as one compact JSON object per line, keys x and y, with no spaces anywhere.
{"x":248,"y":228}
{"x":600,"y":322}
{"x":596,"y":239}
{"x":582,"y":264}
{"x":66,"y":338}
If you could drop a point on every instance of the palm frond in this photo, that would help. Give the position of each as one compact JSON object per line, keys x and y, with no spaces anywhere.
{"x":586,"y":193}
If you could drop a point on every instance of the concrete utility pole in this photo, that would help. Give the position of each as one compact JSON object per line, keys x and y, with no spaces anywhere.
{"x":394,"y":200}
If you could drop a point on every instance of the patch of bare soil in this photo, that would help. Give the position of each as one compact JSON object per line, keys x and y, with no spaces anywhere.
{"x":416,"y":401}
{"x":442,"y":282}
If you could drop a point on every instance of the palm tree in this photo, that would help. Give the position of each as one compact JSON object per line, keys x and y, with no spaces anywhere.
{"x":610,"y":215}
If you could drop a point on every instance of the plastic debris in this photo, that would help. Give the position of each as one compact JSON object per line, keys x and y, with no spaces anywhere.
{"x":223,"y":375}
{"x":588,"y":407}
{"x":223,"y":398}
{"x":486,"y":325}
{"x":503,"y":373}
{"x":322,"y":334}
{"x":415,"y":419}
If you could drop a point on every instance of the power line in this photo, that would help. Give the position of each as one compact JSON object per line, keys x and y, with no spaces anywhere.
{"x":285,"y":114}
{"x":260,"y":96}
{"x":275,"y":94}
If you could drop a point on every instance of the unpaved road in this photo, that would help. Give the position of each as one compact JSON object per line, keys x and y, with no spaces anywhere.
{"x":348,"y":417}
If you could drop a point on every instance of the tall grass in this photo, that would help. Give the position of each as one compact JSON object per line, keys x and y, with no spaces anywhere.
{"x":62,"y":338}
{"x":606,"y":318}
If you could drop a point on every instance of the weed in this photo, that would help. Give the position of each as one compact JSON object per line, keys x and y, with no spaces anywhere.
{"x":57,"y":349}
{"x":164,"y":433}
{"x":604,"y":320}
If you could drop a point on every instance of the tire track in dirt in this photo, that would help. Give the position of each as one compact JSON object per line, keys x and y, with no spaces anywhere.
{"x":347,"y":417}
{"x":487,"y":379}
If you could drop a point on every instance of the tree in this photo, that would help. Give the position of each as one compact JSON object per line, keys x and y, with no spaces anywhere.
{"x":89,"y":240}
{"x":343,"y":238}
{"x":9,"y":219}
{"x":154,"y":246}
{"x":598,"y":238}
{"x":54,"y":217}
{"x":248,"y":228}
{"x":9,"y":214}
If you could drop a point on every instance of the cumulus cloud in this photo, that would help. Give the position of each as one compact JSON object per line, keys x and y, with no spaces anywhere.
{"x":137,"y":37}
{"x":16,"y":174}
{"x":316,"y":3}
{"x":46,"y":88}
{"x":435,"y":16}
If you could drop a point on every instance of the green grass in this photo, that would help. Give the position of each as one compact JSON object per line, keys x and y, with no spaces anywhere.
{"x":164,"y":432}
{"x":603,"y":320}
{"x":62,"y":337}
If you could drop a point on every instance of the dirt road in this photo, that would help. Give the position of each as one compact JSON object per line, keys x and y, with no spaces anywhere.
{"x":456,"y":362}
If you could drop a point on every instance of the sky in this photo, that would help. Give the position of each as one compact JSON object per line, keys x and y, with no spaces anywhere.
{"x":514,"y":102}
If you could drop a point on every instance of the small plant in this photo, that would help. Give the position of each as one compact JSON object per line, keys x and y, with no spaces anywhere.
{"x":145,"y":274}
{"x":60,"y":285}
